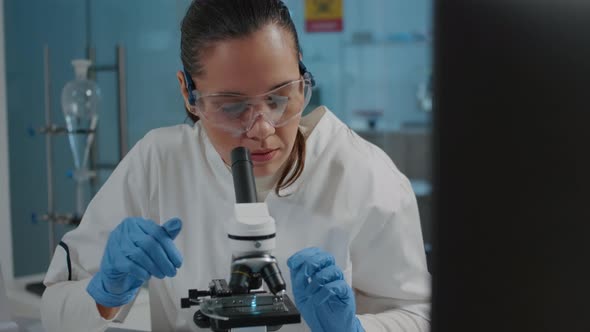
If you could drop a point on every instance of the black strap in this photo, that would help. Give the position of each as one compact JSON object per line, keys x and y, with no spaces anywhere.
{"x":69,"y":261}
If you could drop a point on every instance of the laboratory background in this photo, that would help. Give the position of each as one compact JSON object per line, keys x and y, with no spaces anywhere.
{"x":371,"y":60}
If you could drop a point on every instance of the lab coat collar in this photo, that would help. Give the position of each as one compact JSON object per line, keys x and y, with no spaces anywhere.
{"x":218,"y":166}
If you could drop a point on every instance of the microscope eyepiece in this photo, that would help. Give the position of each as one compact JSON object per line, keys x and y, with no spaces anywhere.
{"x":243,"y":175}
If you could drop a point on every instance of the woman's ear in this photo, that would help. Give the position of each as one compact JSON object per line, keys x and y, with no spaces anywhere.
{"x":183,"y":90}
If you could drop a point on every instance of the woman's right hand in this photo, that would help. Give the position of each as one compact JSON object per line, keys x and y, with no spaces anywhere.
{"x":136,"y":250}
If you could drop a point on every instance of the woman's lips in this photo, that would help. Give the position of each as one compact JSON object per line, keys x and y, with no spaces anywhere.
{"x":263,"y":156}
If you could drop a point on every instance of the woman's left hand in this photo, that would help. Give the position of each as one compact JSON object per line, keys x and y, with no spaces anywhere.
{"x":323,"y":297}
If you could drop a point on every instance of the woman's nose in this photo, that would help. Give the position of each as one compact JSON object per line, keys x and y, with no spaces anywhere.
{"x":261,"y":128}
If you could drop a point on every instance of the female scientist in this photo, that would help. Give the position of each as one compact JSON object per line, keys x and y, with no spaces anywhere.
{"x":347,"y":220}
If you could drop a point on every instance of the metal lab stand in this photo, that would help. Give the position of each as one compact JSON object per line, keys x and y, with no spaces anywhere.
{"x":50,"y":129}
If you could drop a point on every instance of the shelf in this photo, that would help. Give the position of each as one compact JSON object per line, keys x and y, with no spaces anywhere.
{"x":396,"y":39}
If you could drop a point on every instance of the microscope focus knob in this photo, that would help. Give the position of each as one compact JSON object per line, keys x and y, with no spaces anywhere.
{"x":201,"y":320}
{"x":185,"y":303}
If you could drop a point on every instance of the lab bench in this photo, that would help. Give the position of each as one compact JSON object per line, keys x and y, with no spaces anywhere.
{"x":25,"y":308}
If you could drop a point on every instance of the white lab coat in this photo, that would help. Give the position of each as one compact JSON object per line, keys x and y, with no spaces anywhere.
{"x":350,"y":200}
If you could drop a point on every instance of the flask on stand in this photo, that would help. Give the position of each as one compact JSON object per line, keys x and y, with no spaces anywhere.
{"x":80,"y":100}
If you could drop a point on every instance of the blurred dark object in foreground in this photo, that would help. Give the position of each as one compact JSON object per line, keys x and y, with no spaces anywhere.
{"x":511,"y":166}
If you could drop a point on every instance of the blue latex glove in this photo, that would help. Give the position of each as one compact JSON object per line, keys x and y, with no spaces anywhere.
{"x":322,"y":295}
{"x":136,"y":250}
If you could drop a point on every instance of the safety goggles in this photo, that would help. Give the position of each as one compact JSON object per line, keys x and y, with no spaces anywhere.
{"x":237,"y":114}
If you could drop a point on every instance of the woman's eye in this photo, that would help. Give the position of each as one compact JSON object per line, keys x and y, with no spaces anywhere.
{"x":277,"y":100}
{"x":233,"y":108}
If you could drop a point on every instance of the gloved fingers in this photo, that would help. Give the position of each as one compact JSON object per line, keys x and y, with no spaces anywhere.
{"x":138,"y":257}
{"x":173,"y":227}
{"x":318,"y":260}
{"x":154,"y":250}
{"x":303,"y":277}
{"x":137,"y":271}
{"x":324,"y":277}
{"x":170,"y":228}
{"x":336,"y":292}
{"x":160,"y":234}
{"x":313,"y":260}
{"x":302,"y":255}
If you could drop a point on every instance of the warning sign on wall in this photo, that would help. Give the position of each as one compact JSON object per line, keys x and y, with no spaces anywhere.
{"x":323,"y":15}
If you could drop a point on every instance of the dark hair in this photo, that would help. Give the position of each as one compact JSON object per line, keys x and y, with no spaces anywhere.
{"x":209,"y":21}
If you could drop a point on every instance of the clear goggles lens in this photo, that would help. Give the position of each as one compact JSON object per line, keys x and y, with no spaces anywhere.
{"x":237,"y":113}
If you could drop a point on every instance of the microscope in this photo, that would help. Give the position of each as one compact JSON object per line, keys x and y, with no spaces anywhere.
{"x":241,"y":306}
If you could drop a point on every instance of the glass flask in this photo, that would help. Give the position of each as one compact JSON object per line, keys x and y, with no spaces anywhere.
{"x":80,"y":99}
